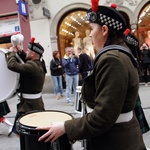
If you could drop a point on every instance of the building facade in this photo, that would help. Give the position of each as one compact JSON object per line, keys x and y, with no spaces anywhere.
{"x":47,"y":29}
{"x":53,"y":24}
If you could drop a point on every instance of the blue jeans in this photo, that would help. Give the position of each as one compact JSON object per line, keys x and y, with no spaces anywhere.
{"x":57,"y":83}
{"x":71,"y":82}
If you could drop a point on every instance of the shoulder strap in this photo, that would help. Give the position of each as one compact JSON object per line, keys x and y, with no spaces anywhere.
{"x":119,"y":48}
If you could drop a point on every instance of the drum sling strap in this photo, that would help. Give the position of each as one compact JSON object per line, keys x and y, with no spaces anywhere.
{"x":119,"y":48}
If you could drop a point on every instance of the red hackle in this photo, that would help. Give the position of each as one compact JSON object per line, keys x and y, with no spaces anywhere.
{"x":32,"y":40}
{"x":126,"y":32}
{"x":95,"y":5}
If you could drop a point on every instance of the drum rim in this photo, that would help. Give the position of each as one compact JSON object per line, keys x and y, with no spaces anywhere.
{"x":33,"y":128}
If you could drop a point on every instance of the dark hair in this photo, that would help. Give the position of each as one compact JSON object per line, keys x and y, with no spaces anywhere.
{"x":55,"y":53}
{"x":112,"y":36}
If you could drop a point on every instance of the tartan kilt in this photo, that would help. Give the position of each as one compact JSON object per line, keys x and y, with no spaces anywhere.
{"x":141,"y":116}
{"x":4,"y":108}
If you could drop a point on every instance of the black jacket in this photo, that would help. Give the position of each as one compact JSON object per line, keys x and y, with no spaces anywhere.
{"x":85,"y":63}
{"x":55,"y":71}
{"x":145,"y":56}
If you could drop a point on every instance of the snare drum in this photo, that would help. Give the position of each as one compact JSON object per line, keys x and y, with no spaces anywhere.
{"x":8,"y":79}
{"x":29,"y":135}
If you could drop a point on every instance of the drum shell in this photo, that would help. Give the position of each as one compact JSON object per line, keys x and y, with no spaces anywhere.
{"x":9,"y":80}
{"x":29,"y":139}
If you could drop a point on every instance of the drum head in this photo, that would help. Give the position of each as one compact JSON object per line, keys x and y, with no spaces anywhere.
{"x":44,"y":118}
{"x":8,"y":79}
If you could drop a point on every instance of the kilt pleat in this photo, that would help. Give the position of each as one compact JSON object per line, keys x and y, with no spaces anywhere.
{"x":4,"y":108}
{"x":141,"y":116}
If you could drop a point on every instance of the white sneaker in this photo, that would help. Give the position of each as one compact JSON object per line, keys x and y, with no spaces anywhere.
{"x":146,"y":84}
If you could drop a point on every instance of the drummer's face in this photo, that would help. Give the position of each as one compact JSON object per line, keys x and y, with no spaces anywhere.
{"x":29,"y":54}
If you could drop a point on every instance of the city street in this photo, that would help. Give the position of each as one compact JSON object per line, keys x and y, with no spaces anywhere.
{"x":13,"y":142}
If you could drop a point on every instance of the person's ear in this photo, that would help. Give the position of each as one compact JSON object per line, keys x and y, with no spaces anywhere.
{"x":105,"y":30}
{"x":32,"y":53}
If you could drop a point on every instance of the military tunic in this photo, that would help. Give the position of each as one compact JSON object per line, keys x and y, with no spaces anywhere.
{"x":113,"y":87}
{"x":32,"y":77}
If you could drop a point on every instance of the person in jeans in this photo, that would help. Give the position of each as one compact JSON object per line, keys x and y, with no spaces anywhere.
{"x":70,"y":64}
{"x":56,"y":74}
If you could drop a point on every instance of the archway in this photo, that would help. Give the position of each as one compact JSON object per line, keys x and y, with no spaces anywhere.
{"x":71,"y":22}
{"x":143,"y":25}
{"x":56,"y":21}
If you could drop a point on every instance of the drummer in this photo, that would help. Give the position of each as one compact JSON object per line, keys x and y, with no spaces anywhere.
{"x":32,"y":77}
{"x":111,"y":90}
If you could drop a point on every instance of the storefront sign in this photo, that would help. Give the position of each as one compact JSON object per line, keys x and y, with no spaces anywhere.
{"x":9,"y":26}
{"x":22,"y":8}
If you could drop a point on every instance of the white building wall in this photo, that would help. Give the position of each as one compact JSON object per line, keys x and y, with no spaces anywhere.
{"x":40,"y":30}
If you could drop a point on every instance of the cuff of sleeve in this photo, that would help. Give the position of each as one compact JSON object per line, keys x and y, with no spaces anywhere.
{"x":63,"y":127}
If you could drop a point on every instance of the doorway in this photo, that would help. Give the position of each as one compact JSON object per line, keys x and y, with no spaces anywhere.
{"x":71,"y":22}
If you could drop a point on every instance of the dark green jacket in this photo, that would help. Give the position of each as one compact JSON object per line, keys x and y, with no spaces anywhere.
{"x":32,"y":77}
{"x":113,"y":86}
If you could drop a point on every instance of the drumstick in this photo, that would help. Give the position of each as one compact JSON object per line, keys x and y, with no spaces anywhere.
{"x":19,"y":58}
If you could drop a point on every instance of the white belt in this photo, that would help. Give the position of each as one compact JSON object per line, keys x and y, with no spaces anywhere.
{"x":125,"y":117}
{"x":31,"y":96}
